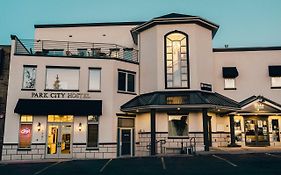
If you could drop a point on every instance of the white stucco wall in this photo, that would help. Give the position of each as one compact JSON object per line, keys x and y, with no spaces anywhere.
{"x":111,"y":100}
{"x":95,"y":34}
{"x":152,"y":58}
{"x":253,"y":76}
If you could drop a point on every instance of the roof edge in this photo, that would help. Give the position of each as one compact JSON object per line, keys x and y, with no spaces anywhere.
{"x":239,"y":49}
{"x":88,"y":24}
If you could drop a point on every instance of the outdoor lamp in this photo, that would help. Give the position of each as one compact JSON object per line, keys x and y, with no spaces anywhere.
{"x":39,"y":126}
{"x":80,"y":126}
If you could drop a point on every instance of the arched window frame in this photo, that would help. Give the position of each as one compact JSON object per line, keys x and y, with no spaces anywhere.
{"x":187,"y":59}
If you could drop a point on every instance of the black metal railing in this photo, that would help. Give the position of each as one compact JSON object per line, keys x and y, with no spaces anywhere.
{"x":75,"y":49}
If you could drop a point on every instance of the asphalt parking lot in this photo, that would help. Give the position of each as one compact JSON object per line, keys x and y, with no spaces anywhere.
{"x":262,"y":163}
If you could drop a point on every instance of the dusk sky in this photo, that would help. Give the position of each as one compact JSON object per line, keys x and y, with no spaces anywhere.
{"x":247,"y":23}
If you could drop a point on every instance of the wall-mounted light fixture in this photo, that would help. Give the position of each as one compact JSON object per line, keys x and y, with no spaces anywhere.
{"x":80,"y":126}
{"x":39,"y":126}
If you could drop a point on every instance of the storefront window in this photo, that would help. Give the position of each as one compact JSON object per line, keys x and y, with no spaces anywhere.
{"x":238,"y":131}
{"x":94,"y":79}
{"x":178,"y":126}
{"x":62,"y":78}
{"x":29,"y":77}
{"x":275,"y":130}
{"x":25,"y":131}
{"x":93,"y":131}
{"x":60,"y":118}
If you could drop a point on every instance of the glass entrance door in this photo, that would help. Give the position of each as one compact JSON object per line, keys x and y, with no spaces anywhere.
{"x":256,"y":131}
{"x":59,"y":141}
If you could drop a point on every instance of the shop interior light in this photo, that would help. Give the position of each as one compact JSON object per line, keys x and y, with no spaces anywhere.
{"x":39,"y":126}
{"x":80,"y":126}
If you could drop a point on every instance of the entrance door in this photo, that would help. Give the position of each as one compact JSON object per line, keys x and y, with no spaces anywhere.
{"x":256,"y":131}
{"x":126,"y":142}
{"x":59,"y":141}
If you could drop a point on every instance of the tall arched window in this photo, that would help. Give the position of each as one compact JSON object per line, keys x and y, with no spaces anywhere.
{"x":176,"y":62}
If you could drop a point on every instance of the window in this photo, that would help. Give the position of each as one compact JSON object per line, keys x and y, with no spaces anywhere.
{"x":178,"y":126}
{"x":229,"y":83}
{"x":126,"y":122}
{"x":25,"y":131}
{"x":94,"y":79}
{"x":93,"y":131}
{"x":62,"y":78}
{"x":276,"y":82}
{"x":29,"y":77}
{"x":126,"y":81}
{"x":176,"y":63}
{"x":60,"y":118}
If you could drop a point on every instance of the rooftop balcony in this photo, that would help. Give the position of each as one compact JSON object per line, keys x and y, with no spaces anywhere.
{"x":74,"y":50}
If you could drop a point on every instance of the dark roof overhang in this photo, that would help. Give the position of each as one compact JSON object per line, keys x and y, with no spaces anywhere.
{"x":58,"y":107}
{"x":174,"y":18}
{"x":274,"y":71}
{"x":229,"y":72}
{"x":175,"y":100}
{"x":250,"y":106}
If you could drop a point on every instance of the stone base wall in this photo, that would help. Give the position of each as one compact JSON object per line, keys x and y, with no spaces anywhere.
{"x":173,"y":145}
{"x":11,"y":152}
{"x":221,"y":139}
{"x":105,"y":151}
{"x":79,"y":151}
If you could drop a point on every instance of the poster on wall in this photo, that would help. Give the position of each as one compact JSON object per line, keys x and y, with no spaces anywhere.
{"x":25,"y":135}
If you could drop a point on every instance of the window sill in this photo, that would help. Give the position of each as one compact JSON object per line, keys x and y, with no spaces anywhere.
{"x":92,"y":148}
{"x":28,"y":89}
{"x":24,"y":149}
{"x":230,"y":89}
{"x":62,"y":90}
{"x":275,"y":87}
{"x":94,"y":90}
{"x":126,"y":92}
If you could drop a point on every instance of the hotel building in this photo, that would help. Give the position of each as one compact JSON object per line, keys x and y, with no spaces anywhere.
{"x":105,"y":90}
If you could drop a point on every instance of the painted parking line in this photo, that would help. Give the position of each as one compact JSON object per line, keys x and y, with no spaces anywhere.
{"x":272,"y":155}
{"x":101,"y":170}
{"x":47,"y":167}
{"x":227,"y":161}
{"x":163,"y":163}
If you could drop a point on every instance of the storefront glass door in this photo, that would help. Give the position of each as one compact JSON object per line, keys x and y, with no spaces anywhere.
{"x":59,"y":141}
{"x":256,"y":131}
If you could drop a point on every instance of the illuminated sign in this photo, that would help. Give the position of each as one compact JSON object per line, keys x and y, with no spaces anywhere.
{"x":25,"y":131}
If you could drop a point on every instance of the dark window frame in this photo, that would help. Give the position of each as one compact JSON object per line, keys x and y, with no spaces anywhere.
{"x":22,"y":86}
{"x":187,"y":59}
{"x":92,"y":123}
{"x":126,"y":72}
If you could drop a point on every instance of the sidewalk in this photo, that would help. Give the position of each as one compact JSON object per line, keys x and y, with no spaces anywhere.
{"x":241,"y":150}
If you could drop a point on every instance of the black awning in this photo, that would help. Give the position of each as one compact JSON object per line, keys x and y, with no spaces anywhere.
{"x":229,"y":72}
{"x":274,"y":71}
{"x":58,"y":107}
